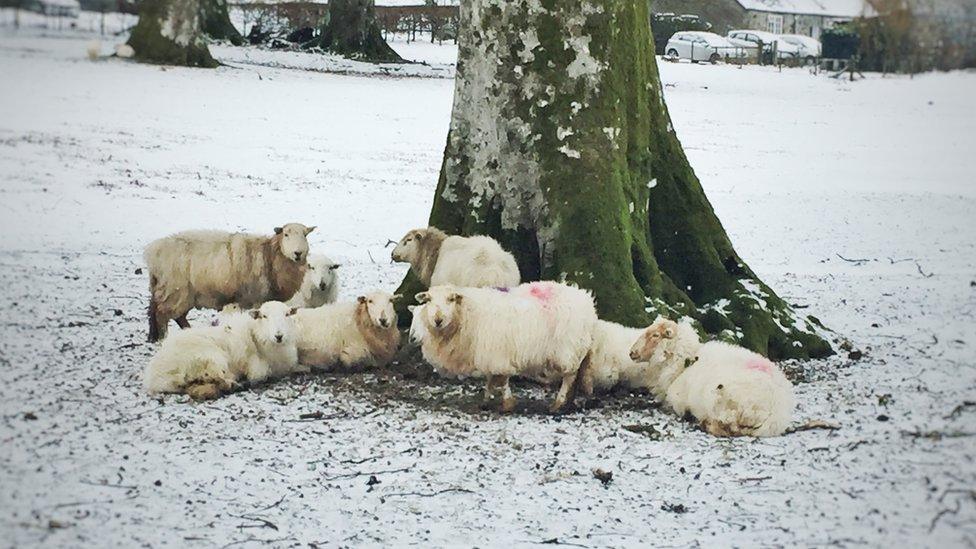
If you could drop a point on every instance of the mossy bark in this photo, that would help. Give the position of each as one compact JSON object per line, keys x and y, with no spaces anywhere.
{"x":562,"y":148}
{"x":351,"y":30}
{"x":215,"y":22}
{"x":169,"y":33}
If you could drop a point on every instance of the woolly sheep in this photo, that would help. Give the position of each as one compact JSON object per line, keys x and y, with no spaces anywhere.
{"x":473,"y":261}
{"x":206,"y":361}
{"x":541,"y":330}
{"x":210,"y":269}
{"x":609,"y":363}
{"x":730,"y":390}
{"x":320,"y":285}
{"x":358,"y":333}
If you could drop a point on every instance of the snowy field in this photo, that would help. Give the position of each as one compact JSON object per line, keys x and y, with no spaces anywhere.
{"x":850,"y":199}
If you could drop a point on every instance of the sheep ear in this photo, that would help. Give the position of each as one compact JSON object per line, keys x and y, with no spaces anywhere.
{"x":422,"y":297}
{"x":411,"y":308}
{"x":292,"y":311}
{"x":255,"y":313}
{"x":309,"y":229}
{"x":668,"y":332}
{"x":361,"y":299}
{"x":396,"y":297}
{"x":278,"y":230}
{"x":334,"y":267}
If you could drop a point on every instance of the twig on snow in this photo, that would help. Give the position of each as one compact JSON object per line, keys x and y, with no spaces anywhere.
{"x":754,"y":479}
{"x":923,"y":273}
{"x":273,"y":505}
{"x":959,"y":409}
{"x":555,"y":541}
{"x":264,"y":523}
{"x":106,"y":485}
{"x":942,"y":513}
{"x":362,"y":474}
{"x":429,"y":494}
{"x":855,"y":260}
{"x":813,"y":424}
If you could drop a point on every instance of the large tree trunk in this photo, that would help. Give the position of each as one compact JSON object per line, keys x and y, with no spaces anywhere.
{"x":169,"y":32}
{"x":352,"y":31}
{"x":216,"y":22}
{"x":562,"y":148}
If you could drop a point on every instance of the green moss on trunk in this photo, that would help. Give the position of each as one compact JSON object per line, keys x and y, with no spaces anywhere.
{"x":351,"y":30}
{"x":168,"y":33}
{"x":562,"y":148}
{"x":215,"y":22}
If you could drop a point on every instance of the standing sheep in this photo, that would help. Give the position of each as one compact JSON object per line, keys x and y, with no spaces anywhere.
{"x":473,"y":261}
{"x":210,"y":269}
{"x":358,"y":333}
{"x":320,"y":285}
{"x":541,"y":330}
{"x":730,"y":390}
{"x":206,"y":361}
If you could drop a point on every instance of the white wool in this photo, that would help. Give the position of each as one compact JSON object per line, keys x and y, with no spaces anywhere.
{"x":475,"y":261}
{"x":329,"y":335}
{"x":124,"y":51}
{"x":94,"y":49}
{"x":541,"y":330}
{"x":610,"y":364}
{"x":320,"y":285}
{"x":730,"y":390}
{"x":244,"y":347}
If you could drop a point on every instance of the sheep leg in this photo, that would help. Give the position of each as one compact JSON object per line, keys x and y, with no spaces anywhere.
{"x":183,"y":322}
{"x":490,"y":387}
{"x":153,"y":320}
{"x":565,"y":394}
{"x":508,"y":399}
{"x":203,"y":391}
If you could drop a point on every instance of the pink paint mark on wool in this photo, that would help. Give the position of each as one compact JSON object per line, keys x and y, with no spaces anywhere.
{"x":542,"y":292}
{"x":761,"y":365}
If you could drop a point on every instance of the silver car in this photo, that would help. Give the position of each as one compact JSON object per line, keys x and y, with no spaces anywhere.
{"x":701,"y":46}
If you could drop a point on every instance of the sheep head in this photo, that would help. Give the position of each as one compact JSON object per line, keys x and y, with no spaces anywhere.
{"x":272,"y":324}
{"x":294,"y":241}
{"x":379,"y":308}
{"x":321,"y":273}
{"x":407,"y":249}
{"x":658,"y":335}
{"x":441,"y":309}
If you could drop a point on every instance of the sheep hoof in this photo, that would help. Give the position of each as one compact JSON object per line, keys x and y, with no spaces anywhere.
{"x":203,"y":391}
{"x":556,"y":407}
{"x":508,"y":405}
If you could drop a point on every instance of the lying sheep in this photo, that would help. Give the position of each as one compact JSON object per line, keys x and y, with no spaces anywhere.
{"x":541,"y":330}
{"x":473,"y":261}
{"x":320,"y":285}
{"x":210,"y":269}
{"x":609,"y":363}
{"x":206,"y":361}
{"x":358,"y":333}
{"x":730,"y":390}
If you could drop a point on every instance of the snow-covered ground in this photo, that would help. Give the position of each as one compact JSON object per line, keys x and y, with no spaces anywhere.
{"x":97,"y":158}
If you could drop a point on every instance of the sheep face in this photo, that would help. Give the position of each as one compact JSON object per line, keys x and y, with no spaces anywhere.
{"x":659,"y":336}
{"x":321,"y":273}
{"x":408,"y":249}
{"x":379,"y":307}
{"x":440,"y":308}
{"x":294,"y":244}
{"x":272,"y":324}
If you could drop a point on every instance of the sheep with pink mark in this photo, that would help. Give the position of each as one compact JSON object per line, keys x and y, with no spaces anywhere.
{"x":731,"y":391}
{"x":541,"y":330}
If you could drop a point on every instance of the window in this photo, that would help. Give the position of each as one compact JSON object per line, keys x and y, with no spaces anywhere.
{"x":775,"y":24}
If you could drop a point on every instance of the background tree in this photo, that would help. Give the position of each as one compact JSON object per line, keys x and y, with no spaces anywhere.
{"x":169,"y":32}
{"x":215,"y":22}
{"x":562,"y":148}
{"x":351,"y":30}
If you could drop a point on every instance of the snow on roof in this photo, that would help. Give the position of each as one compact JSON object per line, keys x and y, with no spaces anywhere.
{"x":414,"y":2}
{"x":828,"y":8}
{"x":62,"y":3}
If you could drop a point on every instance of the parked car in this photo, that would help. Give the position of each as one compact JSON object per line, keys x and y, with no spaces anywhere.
{"x":810,"y":48}
{"x":701,"y":46}
{"x":784,"y":50}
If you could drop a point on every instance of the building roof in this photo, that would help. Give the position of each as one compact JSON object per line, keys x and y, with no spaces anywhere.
{"x":827,"y":8}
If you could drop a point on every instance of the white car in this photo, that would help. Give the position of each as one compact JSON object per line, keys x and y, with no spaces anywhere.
{"x":784,"y":50}
{"x":810,"y":48}
{"x":701,"y":46}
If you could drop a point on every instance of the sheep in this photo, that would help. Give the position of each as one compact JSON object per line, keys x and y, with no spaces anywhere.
{"x":541,"y":330}
{"x":358,"y":333}
{"x":124,"y":51}
{"x":474,"y":261}
{"x":210,"y":269}
{"x":320,"y":285}
{"x":609,"y":363}
{"x":206,"y":361}
{"x":730,"y":390}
